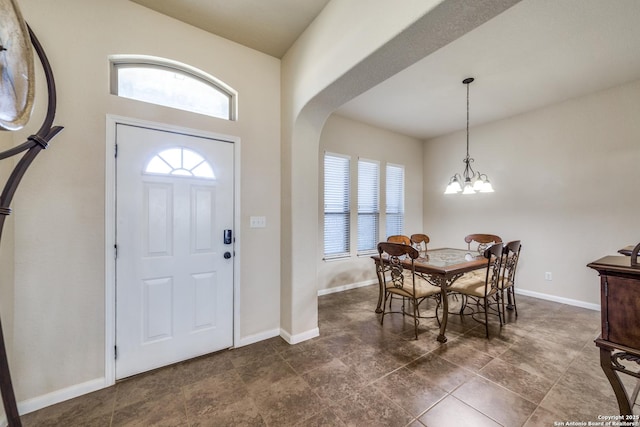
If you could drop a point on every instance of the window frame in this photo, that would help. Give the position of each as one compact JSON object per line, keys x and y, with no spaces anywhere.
{"x":391,"y":210}
{"x":373,"y":211}
{"x":117,"y":62}
{"x":346,"y":214}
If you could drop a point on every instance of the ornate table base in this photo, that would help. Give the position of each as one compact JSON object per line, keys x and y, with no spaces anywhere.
{"x":610,"y":356}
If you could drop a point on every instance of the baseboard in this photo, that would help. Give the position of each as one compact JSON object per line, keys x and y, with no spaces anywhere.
{"x":252,"y":339}
{"x":342,"y":288}
{"x":539,"y":295}
{"x":61,"y":395}
{"x":568,"y":301}
{"x":298,"y":338}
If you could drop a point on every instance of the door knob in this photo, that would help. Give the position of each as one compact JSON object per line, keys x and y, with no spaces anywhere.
{"x":227,"y":255}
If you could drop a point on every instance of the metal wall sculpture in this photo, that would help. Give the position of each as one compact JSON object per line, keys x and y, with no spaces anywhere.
{"x":31,"y":148}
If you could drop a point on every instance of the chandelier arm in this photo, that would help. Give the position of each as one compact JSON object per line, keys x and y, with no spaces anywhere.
{"x":468,"y":169}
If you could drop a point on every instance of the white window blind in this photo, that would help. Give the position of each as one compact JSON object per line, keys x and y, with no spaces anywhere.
{"x":395,"y":199}
{"x":336,"y":205}
{"x":368,"y":205}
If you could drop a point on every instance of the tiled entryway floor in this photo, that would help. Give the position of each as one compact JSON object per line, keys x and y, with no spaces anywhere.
{"x":537,"y":370}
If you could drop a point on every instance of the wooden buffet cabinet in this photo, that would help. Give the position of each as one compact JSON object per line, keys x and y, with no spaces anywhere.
{"x":620,"y":307}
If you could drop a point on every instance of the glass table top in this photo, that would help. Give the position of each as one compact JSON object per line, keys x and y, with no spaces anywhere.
{"x":447,"y":257}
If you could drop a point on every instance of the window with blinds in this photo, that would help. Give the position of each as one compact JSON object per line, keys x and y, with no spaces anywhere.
{"x":368,"y":205}
{"x":336,"y":205}
{"x":395,"y":199}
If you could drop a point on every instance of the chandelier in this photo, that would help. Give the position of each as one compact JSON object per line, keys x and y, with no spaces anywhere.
{"x":470,"y":182}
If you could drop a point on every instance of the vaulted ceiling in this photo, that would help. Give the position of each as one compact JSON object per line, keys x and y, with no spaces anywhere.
{"x":537,"y":53}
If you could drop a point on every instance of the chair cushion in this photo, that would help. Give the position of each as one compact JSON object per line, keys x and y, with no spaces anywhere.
{"x":469,"y":284}
{"x":481,"y":274}
{"x":478,"y":274}
{"x":423,"y":288}
{"x":504,"y":285}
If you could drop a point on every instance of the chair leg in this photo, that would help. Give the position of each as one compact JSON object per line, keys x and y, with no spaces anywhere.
{"x":513,"y":298}
{"x":415,"y":316}
{"x":463,"y":303}
{"x":384,"y":305}
{"x":486,"y":317}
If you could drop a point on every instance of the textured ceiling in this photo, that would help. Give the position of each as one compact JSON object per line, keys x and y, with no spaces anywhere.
{"x":536,"y":53}
{"x":270,"y":26}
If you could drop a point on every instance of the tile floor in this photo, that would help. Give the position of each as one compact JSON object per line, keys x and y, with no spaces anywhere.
{"x":538,"y":370}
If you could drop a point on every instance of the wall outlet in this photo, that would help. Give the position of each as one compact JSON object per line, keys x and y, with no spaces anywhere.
{"x":548,"y":276}
{"x":257,"y":222}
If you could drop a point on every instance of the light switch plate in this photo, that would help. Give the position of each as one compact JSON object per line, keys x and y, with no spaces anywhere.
{"x":257,"y":222}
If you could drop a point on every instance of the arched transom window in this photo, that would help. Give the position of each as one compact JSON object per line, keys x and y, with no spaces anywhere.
{"x":171,"y":84}
{"x":179,"y":161}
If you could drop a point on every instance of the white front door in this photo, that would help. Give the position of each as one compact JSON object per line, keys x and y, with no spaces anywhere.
{"x":174,"y":269}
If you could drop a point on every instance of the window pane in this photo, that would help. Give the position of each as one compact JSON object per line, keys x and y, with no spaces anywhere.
{"x":191,"y":159}
{"x":159,"y":166}
{"x":395,"y":200}
{"x":180,"y":161}
{"x":203,"y":170}
{"x":173,"y":157}
{"x":336,"y":205}
{"x":368,"y":206}
{"x":164,"y":86}
{"x":336,"y":230}
{"x":367,"y":232}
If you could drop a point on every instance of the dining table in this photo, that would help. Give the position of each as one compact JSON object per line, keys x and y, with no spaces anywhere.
{"x":440,"y":267}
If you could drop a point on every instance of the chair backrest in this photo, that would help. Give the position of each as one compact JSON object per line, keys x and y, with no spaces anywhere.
{"x":494,"y":254}
{"x":390,"y":261}
{"x":420,"y":241}
{"x":399,"y":238}
{"x":483,"y":241}
{"x":511,"y":253}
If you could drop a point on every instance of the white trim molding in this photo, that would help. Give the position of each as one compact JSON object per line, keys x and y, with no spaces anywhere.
{"x":39,"y":402}
{"x":343,"y":288}
{"x":561,"y":300}
{"x":298,"y":338}
{"x":252,"y":339}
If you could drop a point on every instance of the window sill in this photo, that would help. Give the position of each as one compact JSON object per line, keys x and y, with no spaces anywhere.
{"x":340,"y":257}
{"x":367,"y":253}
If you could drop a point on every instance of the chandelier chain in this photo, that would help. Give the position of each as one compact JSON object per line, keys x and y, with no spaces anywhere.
{"x":468,"y":119}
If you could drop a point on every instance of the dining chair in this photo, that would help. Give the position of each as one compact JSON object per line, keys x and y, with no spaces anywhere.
{"x":483,"y":241}
{"x":399,"y":238}
{"x":402,"y":280}
{"x":483,"y":290}
{"x":420,"y":242}
{"x":511,"y":253}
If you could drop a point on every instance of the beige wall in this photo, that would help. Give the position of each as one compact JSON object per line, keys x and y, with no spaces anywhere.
{"x":566,"y":181}
{"x":356,"y":139}
{"x":59,"y":304}
{"x":6,"y":257}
